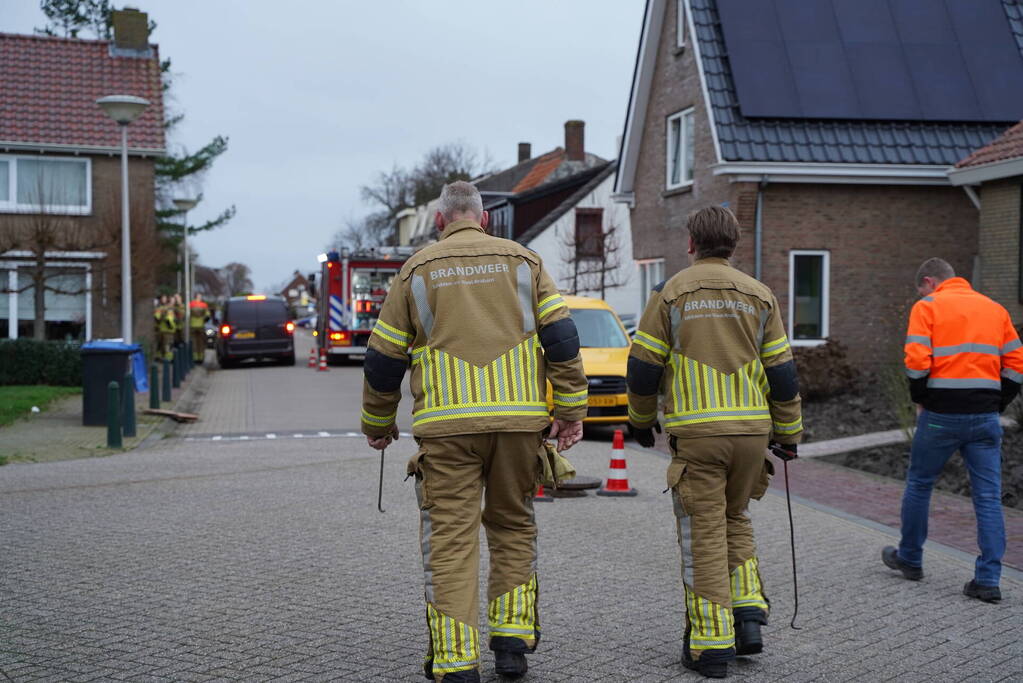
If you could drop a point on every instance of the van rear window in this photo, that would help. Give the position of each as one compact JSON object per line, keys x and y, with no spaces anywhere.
{"x":256,"y":312}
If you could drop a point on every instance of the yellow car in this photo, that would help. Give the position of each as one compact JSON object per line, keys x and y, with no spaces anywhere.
{"x":605,"y":352}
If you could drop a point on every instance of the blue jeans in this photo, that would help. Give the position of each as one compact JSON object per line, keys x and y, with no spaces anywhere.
{"x":978,"y":438}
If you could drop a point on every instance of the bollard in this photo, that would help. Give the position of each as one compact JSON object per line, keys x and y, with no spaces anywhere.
{"x":128,"y":398}
{"x":176,"y":368}
{"x":154,"y":387}
{"x":167,"y":371}
{"x":189,"y":357}
{"x":113,"y":415}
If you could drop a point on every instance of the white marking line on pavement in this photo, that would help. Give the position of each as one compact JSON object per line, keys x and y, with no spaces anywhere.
{"x":274,"y":435}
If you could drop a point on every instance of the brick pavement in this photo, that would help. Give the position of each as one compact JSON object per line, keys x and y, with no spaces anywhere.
{"x":201,"y":561}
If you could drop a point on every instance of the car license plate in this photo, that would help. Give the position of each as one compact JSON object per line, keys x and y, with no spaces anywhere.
{"x":603,"y":401}
{"x":244,"y":335}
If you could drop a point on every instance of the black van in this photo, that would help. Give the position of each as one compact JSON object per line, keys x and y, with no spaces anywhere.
{"x":255,"y":327}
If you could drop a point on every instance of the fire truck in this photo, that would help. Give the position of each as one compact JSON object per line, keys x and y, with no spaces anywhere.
{"x":351,"y":290}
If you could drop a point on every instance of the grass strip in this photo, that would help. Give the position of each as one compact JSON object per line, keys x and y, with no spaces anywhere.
{"x":16,"y":401}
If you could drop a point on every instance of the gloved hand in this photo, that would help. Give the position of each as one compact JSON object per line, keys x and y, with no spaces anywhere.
{"x":644,"y":437}
{"x":784,"y":452}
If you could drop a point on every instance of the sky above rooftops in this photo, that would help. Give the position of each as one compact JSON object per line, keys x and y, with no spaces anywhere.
{"x":317,"y":97}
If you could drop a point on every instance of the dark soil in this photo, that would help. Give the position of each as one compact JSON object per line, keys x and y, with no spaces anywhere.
{"x":892,"y":461}
{"x":861,"y":413}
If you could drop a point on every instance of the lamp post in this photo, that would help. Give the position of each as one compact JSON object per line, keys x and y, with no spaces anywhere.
{"x":124,"y":109}
{"x":184,"y":204}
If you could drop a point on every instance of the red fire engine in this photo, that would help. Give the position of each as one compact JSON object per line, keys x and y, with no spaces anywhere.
{"x":352,"y":288}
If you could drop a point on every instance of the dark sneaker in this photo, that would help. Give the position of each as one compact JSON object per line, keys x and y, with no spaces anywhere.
{"x":711,"y":664}
{"x":510,"y":664}
{"x":985,"y":593}
{"x":891,"y":559}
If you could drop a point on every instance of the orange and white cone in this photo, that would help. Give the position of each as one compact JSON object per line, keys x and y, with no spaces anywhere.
{"x":541,"y":496}
{"x":312,"y":357}
{"x":323,"y":361}
{"x":618,"y":476}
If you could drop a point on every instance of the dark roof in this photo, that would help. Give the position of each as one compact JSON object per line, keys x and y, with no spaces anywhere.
{"x":49,"y":87}
{"x":532,"y":173}
{"x":1007,"y":146}
{"x":828,"y":141}
{"x":566,"y":206}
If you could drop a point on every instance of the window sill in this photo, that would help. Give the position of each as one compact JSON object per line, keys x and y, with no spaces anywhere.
{"x":808,"y":342}
{"x":685,"y":189}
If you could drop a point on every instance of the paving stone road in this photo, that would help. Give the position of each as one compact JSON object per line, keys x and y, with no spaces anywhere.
{"x":266,"y":559}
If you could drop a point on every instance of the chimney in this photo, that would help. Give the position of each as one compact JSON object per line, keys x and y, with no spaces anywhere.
{"x":131,"y":29}
{"x":525,"y":151}
{"x":574,"y":134}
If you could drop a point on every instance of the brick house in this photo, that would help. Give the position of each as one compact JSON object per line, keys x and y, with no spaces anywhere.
{"x":60,"y":181}
{"x":994,"y":175}
{"x":781,"y":111}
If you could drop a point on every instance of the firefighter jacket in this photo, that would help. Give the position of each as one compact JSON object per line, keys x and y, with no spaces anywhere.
{"x":483,"y":326}
{"x":962,"y":353}
{"x":166,"y":320}
{"x":198,"y":314}
{"x":712,"y":341}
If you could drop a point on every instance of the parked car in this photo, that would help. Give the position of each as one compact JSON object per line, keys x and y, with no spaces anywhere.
{"x":604,"y":347}
{"x":308,"y":322}
{"x":255,"y":327}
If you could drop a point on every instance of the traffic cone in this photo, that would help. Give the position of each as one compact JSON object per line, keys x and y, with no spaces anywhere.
{"x":618,"y":475}
{"x":312,"y":357}
{"x":541,"y":496}
{"x":323,"y":361}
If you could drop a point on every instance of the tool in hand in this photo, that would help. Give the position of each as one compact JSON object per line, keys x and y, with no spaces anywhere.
{"x":380,"y":490}
{"x":785,"y":455}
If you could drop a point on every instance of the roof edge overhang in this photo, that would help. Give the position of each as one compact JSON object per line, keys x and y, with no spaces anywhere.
{"x":855,"y":174}
{"x":996,"y":170}
{"x":12,"y":146}
{"x":639,"y":95}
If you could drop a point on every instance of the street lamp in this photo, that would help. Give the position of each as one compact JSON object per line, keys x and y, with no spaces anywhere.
{"x":124,"y":109}
{"x":184,"y":204}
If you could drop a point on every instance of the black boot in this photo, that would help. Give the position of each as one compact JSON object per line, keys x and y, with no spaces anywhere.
{"x":748,"y":621}
{"x":468,"y":676}
{"x":711,"y":664}
{"x":509,"y":656}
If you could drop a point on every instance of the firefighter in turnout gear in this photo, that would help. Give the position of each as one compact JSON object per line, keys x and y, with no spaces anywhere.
{"x":483,"y":327}
{"x":198,"y":316}
{"x":165,"y":323}
{"x":713,"y":341}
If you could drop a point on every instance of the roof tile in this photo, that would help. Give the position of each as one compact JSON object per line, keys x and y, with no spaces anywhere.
{"x":1009,"y":145}
{"x":49,"y":87}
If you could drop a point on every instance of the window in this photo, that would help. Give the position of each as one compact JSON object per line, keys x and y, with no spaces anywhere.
{"x":681,"y":25}
{"x":808,"y":296}
{"x":589,"y":234}
{"x":45,"y":184}
{"x":680,"y":150}
{"x":66,"y":301}
{"x":651,"y":274}
{"x":598,"y":329}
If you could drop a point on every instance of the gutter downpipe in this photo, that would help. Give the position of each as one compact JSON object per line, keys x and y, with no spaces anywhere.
{"x":758,"y":227}
{"x":972,"y":194}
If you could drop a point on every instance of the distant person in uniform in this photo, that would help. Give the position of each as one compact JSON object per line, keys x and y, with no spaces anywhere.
{"x":484,"y":328}
{"x":965,"y":365}
{"x":199,"y":315}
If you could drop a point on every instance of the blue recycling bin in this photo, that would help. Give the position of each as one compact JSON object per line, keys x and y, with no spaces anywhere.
{"x":104,"y":362}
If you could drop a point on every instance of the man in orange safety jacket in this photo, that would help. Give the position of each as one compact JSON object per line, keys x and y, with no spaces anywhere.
{"x":965,"y":365}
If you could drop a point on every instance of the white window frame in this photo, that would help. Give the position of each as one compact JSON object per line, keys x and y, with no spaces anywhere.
{"x":681,"y":24}
{"x":12,"y":205}
{"x":825,"y":296}
{"x":681,"y":116}
{"x":645,"y":286}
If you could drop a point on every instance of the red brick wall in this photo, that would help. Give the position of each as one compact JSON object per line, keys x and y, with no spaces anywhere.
{"x":100,"y":231}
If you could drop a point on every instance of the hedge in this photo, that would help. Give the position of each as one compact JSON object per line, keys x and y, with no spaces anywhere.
{"x":29,"y":361}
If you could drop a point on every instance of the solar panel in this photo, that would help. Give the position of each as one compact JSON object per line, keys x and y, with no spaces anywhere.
{"x":933,"y":60}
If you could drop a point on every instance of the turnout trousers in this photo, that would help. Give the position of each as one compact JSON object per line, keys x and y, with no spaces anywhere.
{"x":454,"y":474}
{"x":712,"y":480}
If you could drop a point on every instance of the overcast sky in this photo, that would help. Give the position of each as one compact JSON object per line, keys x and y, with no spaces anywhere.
{"x":317,"y":97}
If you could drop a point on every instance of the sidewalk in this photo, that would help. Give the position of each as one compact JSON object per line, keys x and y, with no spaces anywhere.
{"x":57,"y":433}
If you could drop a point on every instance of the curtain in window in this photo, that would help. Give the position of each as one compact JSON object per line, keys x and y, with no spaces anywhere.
{"x":67,"y":304}
{"x":48,"y":182}
{"x":5,"y":180}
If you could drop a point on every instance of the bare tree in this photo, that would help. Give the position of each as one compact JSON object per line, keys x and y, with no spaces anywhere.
{"x":593,"y":254}
{"x":209,"y":283}
{"x":237,"y":277}
{"x":362,"y":233}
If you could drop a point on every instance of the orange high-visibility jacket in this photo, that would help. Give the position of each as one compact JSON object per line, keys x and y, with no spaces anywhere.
{"x":962,"y":353}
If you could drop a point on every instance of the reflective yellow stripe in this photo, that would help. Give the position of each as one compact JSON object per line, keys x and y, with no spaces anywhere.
{"x":378,"y":420}
{"x":746,"y":589}
{"x":773,"y":348}
{"x":549,"y":305}
{"x":651,"y":343}
{"x":571,"y":399}
{"x":455,"y":645}
{"x":392,"y":334}
{"x":711,"y":625}
{"x":641,"y":417}
{"x":514,"y":613}
{"x":788,"y":427}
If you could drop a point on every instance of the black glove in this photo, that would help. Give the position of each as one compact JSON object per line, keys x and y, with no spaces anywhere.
{"x":783,"y":452}
{"x":644,"y":437}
